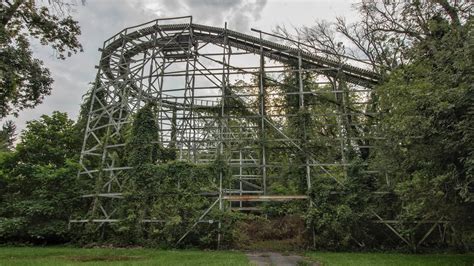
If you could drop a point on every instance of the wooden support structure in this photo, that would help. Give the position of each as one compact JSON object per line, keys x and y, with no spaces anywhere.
{"x":259,"y":198}
{"x":204,"y":114}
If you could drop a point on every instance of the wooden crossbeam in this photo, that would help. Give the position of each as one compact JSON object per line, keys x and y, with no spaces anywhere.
{"x":264,"y":197}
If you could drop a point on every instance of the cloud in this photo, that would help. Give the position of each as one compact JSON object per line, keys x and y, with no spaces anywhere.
{"x":238,"y":13}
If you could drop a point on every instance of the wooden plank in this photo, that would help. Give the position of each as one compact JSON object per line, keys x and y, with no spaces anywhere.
{"x":245,"y":209}
{"x":105,"y":195}
{"x":264,"y":197}
{"x":411,"y":222}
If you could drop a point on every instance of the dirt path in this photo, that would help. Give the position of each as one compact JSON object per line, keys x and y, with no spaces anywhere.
{"x":277,"y":259}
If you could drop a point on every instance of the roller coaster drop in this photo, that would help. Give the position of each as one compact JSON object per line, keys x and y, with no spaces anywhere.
{"x":189,"y":70}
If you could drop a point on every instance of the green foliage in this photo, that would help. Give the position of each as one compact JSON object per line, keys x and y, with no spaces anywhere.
{"x":38,"y":188}
{"x":87,"y":100}
{"x":52,"y":140}
{"x":425,"y":156}
{"x":339,"y":212}
{"x":428,"y":124}
{"x":142,"y":144}
{"x":24,"y":81}
{"x":168,"y":192}
{"x":7,"y":136}
{"x":159,"y":189}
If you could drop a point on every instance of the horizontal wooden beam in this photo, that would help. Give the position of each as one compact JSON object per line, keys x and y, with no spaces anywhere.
{"x":264,"y":197}
{"x":118,"y":220}
{"x":256,"y":209}
{"x":409,"y":222}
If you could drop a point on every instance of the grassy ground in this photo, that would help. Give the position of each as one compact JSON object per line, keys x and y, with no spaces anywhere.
{"x":390,"y":259}
{"x":102,"y":256}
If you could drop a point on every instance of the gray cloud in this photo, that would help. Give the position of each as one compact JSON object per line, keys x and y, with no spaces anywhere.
{"x":238,"y":13}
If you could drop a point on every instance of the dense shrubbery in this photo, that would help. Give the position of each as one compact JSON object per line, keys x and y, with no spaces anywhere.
{"x":169,"y":192}
{"x":428,"y":106}
{"x":38,"y":185}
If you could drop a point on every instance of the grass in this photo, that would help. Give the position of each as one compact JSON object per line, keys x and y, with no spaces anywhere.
{"x":105,"y":256}
{"x":390,"y":259}
{"x":141,"y":256}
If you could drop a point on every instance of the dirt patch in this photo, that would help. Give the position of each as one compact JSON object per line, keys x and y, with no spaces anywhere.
{"x":277,"y":259}
{"x":274,"y":234}
{"x":91,"y":258}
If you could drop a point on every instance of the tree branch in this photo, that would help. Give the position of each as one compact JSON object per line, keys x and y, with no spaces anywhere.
{"x":10,"y":11}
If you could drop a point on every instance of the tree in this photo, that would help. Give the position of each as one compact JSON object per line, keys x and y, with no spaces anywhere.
{"x":24,"y":81}
{"x":50,"y":140}
{"x":39,"y":189}
{"x":428,"y":121}
{"x":7,"y":136}
{"x":385,"y":33}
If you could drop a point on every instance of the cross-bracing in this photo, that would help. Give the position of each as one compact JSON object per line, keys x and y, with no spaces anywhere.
{"x":220,"y":94}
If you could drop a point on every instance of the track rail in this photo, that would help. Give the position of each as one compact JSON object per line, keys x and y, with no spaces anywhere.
{"x":128,"y":39}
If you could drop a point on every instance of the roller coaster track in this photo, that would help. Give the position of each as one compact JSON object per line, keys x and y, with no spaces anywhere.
{"x":128,"y":39}
{"x":200,"y":123}
{"x":119,"y":51}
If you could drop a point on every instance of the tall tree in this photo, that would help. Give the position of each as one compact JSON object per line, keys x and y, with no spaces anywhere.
{"x":7,"y":136}
{"x":428,"y":106}
{"x":39,"y":189}
{"x":24,"y":80}
{"x":385,"y":32}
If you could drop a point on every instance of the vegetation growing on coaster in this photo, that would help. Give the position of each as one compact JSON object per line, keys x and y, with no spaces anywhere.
{"x":169,"y":192}
{"x":423,"y":51}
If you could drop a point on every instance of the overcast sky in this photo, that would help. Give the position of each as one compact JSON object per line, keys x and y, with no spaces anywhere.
{"x":100,"y":19}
